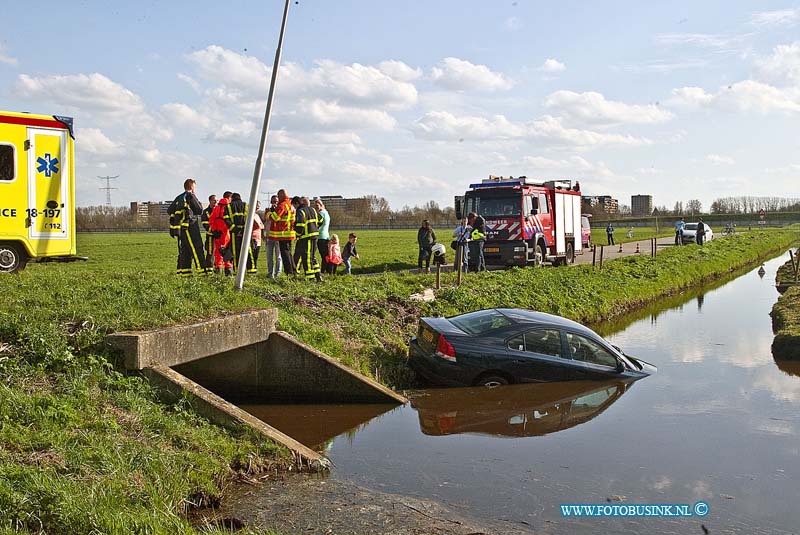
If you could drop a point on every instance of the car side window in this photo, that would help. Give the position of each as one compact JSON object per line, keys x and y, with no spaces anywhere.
{"x":517,"y":343}
{"x":543,"y":342}
{"x":586,"y":350}
{"x":528,"y":206}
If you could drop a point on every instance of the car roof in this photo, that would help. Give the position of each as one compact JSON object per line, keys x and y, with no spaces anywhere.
{"x":522,"y":316}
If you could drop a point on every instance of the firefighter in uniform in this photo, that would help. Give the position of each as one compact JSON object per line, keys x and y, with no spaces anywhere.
{"x":281,"y":229}
{"x":306,"y":227}
{"x":184,"y":223}
{"x":223,"y":258}
{"x":205,"y":221}
{"x":477,"y":239}
{"x":235,"y":218}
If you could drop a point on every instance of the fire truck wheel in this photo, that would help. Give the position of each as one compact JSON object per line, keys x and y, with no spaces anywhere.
{"x":570,"y":253}
{"x":538,"y":256}
{"x":12,"y":258}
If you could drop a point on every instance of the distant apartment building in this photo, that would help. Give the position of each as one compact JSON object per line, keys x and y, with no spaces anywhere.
{"x":147,"y":210}
{"x":608,"y":204}
{"x":641,"y":204}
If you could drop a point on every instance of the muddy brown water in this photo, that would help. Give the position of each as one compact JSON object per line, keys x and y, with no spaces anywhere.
{"x":719,"y":422}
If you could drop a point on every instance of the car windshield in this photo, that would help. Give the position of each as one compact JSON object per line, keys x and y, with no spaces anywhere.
{"x":585,"y":222}
{"x":491,"y":206}
{"x":480,"y":322}
{"x":690,"y":226}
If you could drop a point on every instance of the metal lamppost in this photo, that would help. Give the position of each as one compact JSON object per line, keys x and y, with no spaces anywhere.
{"x":251,"y":208}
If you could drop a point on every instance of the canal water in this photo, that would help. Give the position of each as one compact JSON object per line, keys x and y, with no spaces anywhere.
{"x":718,"y":423}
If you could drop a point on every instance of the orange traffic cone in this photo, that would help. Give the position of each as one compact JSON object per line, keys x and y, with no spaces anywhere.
{"x":620,"y":247}
{"x":637,"y":247}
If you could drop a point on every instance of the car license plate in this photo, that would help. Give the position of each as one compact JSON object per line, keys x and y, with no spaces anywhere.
{"x":427,"y":334}
{"x":491,"y":250}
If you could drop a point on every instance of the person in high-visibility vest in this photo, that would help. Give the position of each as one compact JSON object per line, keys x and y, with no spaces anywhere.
{"x":223,"y":258}
{"x":205,"y":221}
{"x":184,"y":221}
{"x":236,"y":219}
{"x":306,"y":227}
{"x":281,"y":229}
{"x":477,"y":239}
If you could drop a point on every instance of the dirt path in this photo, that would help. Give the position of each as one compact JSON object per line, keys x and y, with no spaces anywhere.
{"x":314,"y":505}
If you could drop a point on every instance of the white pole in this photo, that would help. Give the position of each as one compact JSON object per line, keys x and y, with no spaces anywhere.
{"x":251,"y":208}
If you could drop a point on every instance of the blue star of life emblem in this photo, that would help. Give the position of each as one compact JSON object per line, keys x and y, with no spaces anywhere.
{"x":47,"y":165}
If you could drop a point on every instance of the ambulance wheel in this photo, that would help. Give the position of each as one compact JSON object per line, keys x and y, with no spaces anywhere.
{"x":12,"y":258}
{"x":570,"y":253}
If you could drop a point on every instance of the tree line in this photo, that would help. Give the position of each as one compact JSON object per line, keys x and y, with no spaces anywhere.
{"x":367,"y":210}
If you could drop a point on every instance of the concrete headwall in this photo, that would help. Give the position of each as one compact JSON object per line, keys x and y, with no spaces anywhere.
{"x":175,"y":345}
{"x":284,"y":370}
{"x":241,"y":356}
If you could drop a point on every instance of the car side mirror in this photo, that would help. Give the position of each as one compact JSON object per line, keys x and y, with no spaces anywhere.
{"x":534,"y":212}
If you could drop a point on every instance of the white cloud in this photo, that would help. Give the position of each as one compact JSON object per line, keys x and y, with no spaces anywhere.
{"x":388,"y":178}
{"x":653,"y":170}
{"x":552,"y":65}
{"x":781,"y":17}
{"x":334,"y":116}
{"x":92,"y":92}
{"x":551,"y":130}
{"x":5,"y":58}
{"x":190,"y":81}
{"x":593,"y":108}
{"x":512,"y":24}
{"x":573,"y":163}
{"x":718,"y":159}
{"x":783,"y":65}
{"x":746,"y":96}
{"x":704,"y":40}
{"x":182,"y":115}
{"x":444,"y":126}
{"x":461,"y":75}
{"x":94,"y":141}
{"x":246,"y":79}
{"x":399,"y":70}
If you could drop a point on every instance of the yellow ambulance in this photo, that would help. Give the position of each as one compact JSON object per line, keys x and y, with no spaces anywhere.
{"x":37,"y":189}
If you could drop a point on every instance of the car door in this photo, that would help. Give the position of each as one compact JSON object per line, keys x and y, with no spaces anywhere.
{"x":589,"y":359}
{"x":537,"y":356}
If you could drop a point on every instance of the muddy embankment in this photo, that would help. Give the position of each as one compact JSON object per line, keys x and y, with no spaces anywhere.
{"x":786,"y":312}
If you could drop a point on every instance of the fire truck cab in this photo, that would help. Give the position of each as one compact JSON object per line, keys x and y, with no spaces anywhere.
{"x":37,"y":189}
{"x":527,"y":222}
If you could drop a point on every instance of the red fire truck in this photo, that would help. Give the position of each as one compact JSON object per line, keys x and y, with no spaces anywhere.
{"x":527,"y":222}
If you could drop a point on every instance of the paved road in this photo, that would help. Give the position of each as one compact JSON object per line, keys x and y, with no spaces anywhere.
{"x":611,"y":252}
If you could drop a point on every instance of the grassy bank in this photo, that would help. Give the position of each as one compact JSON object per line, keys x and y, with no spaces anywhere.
{"x":786,"y":317}
{"x":82,"y":445}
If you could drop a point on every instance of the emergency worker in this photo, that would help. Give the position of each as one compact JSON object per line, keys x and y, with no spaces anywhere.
{"x":236,"y":219}
{"x":204,"y":220}
{"x":184,"y":222}
{"x":223,"y":258}
{"x":306,"y":226}
{"x":281,"y":229}
{"x":477,"y":239}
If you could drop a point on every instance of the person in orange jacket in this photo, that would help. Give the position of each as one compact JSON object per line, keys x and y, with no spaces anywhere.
{"x":281,"y":229}
{"x":222,"y":237}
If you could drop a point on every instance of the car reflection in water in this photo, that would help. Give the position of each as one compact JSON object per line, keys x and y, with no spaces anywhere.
{"x":516,"y":410}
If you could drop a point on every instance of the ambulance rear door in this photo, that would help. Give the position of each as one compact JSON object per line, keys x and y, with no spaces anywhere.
{"x":48,"y":191}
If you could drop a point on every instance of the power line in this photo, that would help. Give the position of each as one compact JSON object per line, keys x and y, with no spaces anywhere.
{"x":108,"y":187}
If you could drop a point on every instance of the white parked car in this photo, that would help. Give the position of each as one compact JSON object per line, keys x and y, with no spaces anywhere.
{"x":690,"y":232}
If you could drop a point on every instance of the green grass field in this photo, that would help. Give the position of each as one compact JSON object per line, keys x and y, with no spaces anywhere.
{"x":84,"y":447}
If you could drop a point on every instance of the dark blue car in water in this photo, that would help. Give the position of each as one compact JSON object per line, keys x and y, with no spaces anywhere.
{"x":505,"y":345}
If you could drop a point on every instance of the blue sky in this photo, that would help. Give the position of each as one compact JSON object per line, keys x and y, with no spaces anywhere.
{"x":413,"y":100}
